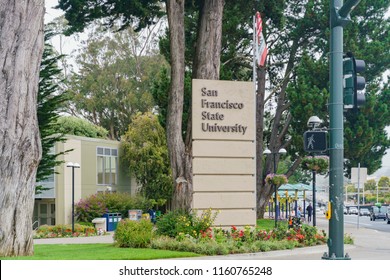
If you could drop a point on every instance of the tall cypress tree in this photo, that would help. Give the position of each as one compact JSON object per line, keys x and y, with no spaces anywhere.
{"x":51,"y":99}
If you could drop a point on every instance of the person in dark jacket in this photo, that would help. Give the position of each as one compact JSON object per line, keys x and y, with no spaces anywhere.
{"x":309,"y":210}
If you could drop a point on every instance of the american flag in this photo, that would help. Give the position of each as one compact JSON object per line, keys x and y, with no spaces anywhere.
{"x":261,"y":46}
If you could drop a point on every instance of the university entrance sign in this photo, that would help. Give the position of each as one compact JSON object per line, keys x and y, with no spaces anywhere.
{"x":223,"y":110}
{"x":224,"y":150}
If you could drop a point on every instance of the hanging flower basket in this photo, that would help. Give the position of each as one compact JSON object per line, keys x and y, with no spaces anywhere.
{"x":319,"y":163}
{"x":276,"y":179}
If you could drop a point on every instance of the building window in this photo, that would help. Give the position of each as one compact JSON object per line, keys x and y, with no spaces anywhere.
{"x":107,"y":166}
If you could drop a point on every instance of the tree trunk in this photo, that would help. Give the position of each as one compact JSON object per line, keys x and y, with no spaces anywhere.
{"x":181,"y":198}
{"x":208,"y":46}
{"x":21,"y":46}
{"x":206,"y":66}
{"x":260,"y":186}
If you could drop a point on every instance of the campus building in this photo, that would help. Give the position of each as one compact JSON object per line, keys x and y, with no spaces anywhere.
{"x":99,"y":172}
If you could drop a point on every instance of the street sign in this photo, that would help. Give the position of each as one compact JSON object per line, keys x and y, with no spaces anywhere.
{"x":315,"y":141}
{"x":358,"y":175}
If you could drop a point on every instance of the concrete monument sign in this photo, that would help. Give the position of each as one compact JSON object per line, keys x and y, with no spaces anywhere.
{"x":224,"y":150}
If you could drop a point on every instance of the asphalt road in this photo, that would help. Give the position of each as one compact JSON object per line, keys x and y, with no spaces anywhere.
{"x":364,"y":222}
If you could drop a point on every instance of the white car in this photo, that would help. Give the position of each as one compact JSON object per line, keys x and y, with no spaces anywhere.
{"x":364,"y":212}
{"x":353,"y":210}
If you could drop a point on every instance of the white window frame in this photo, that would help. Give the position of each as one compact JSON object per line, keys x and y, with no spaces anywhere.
{"x":110,"y":153}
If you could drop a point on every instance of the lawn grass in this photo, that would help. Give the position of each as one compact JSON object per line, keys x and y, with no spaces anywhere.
{"x":98,"y":252}
{"x":268,"y":224}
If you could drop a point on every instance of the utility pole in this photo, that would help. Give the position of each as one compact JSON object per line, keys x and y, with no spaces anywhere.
{"x":339,"y":17}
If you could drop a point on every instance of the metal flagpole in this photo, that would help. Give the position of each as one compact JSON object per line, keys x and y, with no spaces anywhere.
{"x":254,"y":53}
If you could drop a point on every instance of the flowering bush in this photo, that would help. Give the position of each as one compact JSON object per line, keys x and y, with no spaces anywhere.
{"x":181,"y":223}
{"x":318,"y":163}
{"x":276,"y":179}
{"x":58,"y":231}
{"x":242,"y":240}
{"x":205,"y":235}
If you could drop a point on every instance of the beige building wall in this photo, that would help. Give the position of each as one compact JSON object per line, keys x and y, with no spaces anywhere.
{"x":224,"y":151}
{"x":84,"y":152}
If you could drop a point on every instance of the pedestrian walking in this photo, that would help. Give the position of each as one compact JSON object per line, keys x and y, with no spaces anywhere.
{"x":299,"y":212}
{"x":309,"y":210}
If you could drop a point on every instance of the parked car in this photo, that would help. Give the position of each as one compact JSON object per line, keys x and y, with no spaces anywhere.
{"x":388,"y":215}
{"x":353,"y":210}
{"x":345,"y":210}
{"x":378,"y":213}
{"x":364,"y":212}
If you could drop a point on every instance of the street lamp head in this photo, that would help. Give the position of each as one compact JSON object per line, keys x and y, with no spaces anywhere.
{"x":71,"y":164}
{"x":282,"y":151}
{"x":314,"y":121}
{"x":267,"y":151}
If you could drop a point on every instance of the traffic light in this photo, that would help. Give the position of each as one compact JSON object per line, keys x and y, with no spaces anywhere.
{"x":353,"y":83}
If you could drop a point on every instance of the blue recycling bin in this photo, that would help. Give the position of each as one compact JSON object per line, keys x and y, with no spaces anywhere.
{"x":152,"y":214}
{"x":112,"y":220}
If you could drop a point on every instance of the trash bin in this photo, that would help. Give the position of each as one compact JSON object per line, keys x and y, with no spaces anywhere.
{"x":146,"y":216}
{"x":112,"y":220}
{"x":152,"y":214}
{"x":135,"y":215}
{"x":100,"y":224}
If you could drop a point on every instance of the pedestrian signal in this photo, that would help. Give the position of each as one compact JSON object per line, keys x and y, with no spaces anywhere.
{"x":315,"y":141}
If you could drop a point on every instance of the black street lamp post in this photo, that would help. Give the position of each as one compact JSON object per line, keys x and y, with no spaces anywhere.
{"x":314,"y":123}
{"x":73,"y":166}
{"x":268,"y":152}
{"x":314,"y":198}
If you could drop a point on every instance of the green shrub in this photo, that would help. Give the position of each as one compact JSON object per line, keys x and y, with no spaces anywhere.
{"x":96,"y":205}
{"x":167,"y":224}
{"x":134,"y":234}
{"x":211,"y":247}
{"x":190,"y":245}
{"x":203,"y":222}
{"x":177,"y":223}
{"x":348,"y":239}
{"x":280,"y":232}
